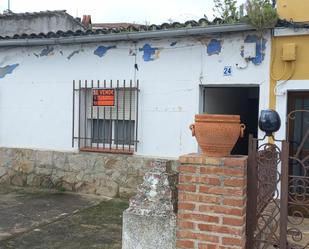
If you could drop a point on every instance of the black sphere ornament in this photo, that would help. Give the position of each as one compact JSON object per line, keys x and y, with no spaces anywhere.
{"x":269,"y":121}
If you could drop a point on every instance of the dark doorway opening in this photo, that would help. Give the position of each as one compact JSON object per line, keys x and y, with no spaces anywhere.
{"x":243,"y":101}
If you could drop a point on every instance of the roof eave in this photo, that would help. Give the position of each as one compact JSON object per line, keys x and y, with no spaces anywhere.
{"x":129,"y":36}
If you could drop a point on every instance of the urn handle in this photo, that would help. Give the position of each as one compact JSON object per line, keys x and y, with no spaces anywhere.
{"x":242,"y":130}
{"x":192,"y":128}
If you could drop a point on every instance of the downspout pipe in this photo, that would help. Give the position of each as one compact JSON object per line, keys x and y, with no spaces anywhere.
{"x":134,"y":36}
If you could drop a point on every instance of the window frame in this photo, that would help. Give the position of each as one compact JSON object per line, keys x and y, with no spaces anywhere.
{"x":85,"y":139}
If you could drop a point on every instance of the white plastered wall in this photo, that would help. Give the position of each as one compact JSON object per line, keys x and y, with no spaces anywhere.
{"x":242,"y":75}
{"x":36,"y":98}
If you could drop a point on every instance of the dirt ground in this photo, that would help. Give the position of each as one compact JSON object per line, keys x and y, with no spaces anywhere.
{"x":40,"y":219}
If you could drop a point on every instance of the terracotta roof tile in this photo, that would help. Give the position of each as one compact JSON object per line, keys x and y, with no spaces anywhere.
{"x":113,"y":28}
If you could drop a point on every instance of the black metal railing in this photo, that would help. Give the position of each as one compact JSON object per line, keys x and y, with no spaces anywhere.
{"x":278,"y":188}
{"x":267,"y":164}
{"x":105,"y":116}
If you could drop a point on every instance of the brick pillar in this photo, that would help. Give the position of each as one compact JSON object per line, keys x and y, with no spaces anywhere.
{"x":212,"y":202}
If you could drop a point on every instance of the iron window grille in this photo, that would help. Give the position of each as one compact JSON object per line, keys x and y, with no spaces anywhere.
{"x":105,"y":123}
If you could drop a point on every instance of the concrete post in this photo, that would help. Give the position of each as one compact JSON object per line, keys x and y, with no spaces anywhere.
{"x":150,"y":221}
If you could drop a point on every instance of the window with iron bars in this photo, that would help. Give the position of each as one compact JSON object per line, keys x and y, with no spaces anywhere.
{"x":106,"y":114}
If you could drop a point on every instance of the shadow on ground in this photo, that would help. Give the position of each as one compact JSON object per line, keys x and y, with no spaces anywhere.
{"x":51,"y":220}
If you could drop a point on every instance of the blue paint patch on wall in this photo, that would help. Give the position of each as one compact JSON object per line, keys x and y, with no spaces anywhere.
{"x":46,"y":51}
{"x":150,"y":53}
{"x":72,"y":54}
{"x":101,"y":50}
{"x":260,"y":48}
{"x":173,"y":44}
{"x":7,"y":70}
{"x":214,"y":47}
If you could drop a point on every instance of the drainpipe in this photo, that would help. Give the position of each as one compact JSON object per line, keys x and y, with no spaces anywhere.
{"x":134,"y":36}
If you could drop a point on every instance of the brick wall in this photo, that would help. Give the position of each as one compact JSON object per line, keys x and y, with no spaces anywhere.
{"x":212,"y":202}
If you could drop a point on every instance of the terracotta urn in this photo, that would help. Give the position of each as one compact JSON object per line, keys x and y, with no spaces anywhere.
{"x":217,"y":134}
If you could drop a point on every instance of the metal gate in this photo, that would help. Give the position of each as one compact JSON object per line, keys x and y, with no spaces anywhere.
{"x":278,"y":188}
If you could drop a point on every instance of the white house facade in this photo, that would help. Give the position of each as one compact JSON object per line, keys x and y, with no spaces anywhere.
{"x":53,"y":90}
{"x":36,"y":85}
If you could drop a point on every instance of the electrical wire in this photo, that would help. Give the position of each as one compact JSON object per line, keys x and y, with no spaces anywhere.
{"x":135,"y":64}
{"x":293,"y":66}
{"x":165,"y":48}
{"x":273,"y":56}
{"x":281,"y":76}
{"x":201,"y":78}
{"x":242,"y":67}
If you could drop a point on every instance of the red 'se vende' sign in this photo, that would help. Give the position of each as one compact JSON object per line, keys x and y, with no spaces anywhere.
{"x":103,"y":97}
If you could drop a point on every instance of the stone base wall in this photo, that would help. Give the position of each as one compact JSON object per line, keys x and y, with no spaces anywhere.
{"x":92,"y":173}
